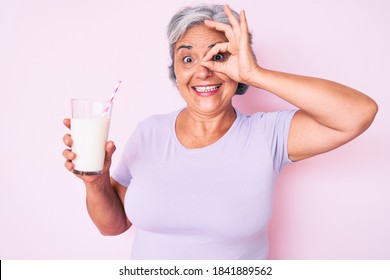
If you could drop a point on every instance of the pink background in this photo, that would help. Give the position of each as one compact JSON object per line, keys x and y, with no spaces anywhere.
{"x":333,"y":206}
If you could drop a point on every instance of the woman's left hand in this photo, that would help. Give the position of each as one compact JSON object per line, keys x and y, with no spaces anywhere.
{"x":240,"y":64}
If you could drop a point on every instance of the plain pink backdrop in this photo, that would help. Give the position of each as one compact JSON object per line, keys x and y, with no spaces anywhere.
{"x":333,"y":206}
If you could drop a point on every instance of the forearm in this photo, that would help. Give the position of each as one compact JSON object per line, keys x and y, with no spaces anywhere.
{"x":330,"y":104}
{"x":105,"y":208}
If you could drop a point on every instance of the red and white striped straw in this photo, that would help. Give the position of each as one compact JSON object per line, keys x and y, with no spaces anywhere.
{"x":112,"y":98}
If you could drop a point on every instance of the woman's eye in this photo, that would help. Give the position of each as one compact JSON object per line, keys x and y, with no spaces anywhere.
{"x":187,"y":59}
{"x":219,"y":57}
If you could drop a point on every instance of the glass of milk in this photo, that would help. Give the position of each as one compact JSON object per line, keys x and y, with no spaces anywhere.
{"x":90,"y":124}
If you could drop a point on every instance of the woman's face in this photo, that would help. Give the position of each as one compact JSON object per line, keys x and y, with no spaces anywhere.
{"x":204,"y":91}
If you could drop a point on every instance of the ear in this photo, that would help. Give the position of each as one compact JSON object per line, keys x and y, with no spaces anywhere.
{"x":172,"y":74}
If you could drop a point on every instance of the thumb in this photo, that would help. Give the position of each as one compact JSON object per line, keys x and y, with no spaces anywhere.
{"x":214,"y":66}
{"x":110,"y":149}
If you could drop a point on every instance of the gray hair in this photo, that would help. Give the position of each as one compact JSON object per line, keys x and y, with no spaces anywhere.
{"x":189,"y":17}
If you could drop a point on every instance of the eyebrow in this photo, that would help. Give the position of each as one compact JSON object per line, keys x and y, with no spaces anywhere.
{"x":184,"y":47}
{"x":188,"y":47}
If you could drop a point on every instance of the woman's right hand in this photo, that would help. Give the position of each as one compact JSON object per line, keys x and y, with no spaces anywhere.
{"x":69,"y":156}
{"x":106,"y":211}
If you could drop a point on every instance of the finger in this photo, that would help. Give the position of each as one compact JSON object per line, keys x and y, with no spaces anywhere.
{"x":68,"y":140}
{"x":244,"y":26}
{"x":110,"y":149}
{"x":223,"y":27}
{"x":232,"y":19}
{"x":69,"y":165}
{"x":67,"y":123}
{"x":218,"y":48}
{"x":68,"y":154}
{"x":243,"y":22}
{"x":214,"y":66}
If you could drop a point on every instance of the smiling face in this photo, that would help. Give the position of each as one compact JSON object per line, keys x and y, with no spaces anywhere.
{"x":204,"y":91}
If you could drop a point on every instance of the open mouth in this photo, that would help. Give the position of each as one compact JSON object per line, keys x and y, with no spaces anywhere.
{"x":206,"y":90}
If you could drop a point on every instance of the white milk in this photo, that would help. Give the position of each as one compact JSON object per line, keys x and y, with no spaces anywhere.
{"x":89,"y":141}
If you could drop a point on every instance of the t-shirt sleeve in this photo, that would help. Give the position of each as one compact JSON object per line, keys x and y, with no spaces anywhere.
{"x":276,"y":127}
{"x":122,"y":171}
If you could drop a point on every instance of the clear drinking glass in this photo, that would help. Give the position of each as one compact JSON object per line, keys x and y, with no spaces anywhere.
{"x":90,"y":125}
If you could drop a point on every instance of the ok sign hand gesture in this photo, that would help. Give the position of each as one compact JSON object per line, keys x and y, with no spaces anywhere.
{"x":240,"y":64}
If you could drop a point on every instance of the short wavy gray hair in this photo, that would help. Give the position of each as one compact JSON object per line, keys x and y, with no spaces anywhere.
{"x":189,"y":17}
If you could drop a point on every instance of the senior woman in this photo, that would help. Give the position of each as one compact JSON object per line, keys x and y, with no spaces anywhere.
{"x":199,"y":181}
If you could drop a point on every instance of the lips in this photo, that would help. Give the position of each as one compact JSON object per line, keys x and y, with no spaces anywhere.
{"x":206,"y":90}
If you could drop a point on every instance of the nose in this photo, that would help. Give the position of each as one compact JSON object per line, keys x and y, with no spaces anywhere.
{"x":203,"y":72}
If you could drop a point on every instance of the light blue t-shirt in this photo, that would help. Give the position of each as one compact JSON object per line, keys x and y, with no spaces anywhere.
{"x":208,"y":203}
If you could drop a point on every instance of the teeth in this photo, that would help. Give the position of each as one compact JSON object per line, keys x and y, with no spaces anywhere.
{"x":207,"y":88}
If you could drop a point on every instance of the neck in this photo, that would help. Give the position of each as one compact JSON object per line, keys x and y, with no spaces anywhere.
{"x":199,"y":130}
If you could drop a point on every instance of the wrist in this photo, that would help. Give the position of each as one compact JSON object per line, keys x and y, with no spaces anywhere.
{"x":98,"y":185}
{"x":254,"y":77}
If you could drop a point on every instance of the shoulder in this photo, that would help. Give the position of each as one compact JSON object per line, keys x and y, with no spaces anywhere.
{"x":152,"y":129}
{"x":158,"y":121}
{"x":156,"y":127}
{"x":266,"y":119}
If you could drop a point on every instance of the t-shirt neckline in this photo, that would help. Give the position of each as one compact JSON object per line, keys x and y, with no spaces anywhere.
{"x":211,"y":146}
